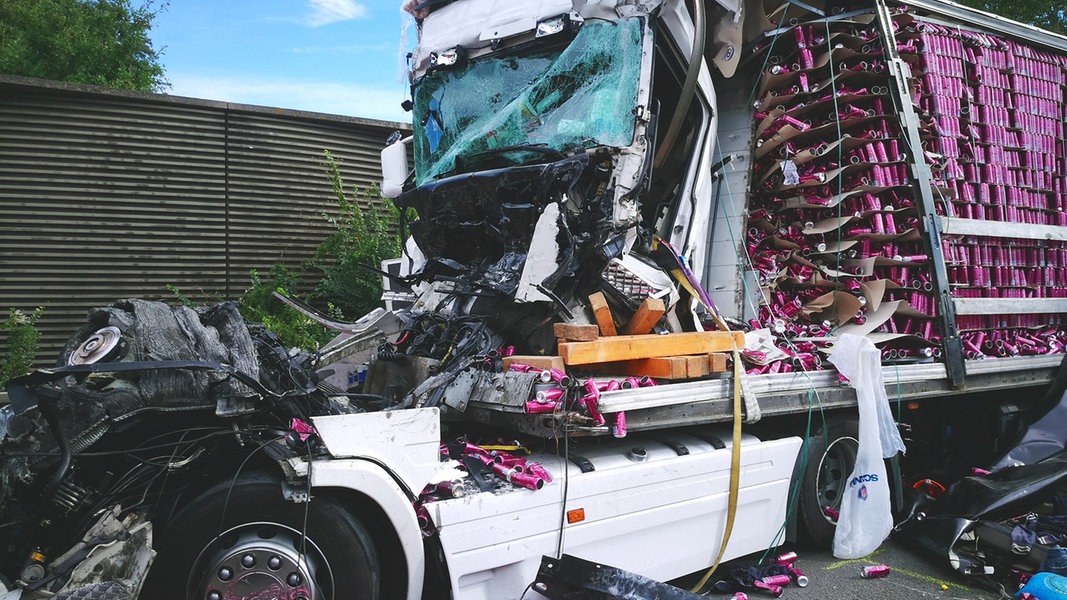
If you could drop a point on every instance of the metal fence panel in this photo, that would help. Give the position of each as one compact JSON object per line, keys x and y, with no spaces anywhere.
{"x":107,"y":195}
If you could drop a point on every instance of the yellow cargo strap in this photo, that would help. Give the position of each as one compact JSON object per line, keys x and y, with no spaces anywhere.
{"x":735,"y":473}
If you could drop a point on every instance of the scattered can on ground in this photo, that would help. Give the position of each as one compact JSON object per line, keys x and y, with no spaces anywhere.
{"x":798,"y":575}
{"x":786,"y":558}
{"x":779,"y":580}
{"x":875,"y":571}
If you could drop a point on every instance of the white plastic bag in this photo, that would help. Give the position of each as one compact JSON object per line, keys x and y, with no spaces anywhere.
{"x":866,"y":518}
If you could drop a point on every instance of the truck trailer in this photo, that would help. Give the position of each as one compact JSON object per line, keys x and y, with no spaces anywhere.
{"x":637,"y":230}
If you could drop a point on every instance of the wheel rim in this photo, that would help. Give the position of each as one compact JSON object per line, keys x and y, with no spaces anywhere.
{"x":834,"y":468}
{"x":261,"y":560}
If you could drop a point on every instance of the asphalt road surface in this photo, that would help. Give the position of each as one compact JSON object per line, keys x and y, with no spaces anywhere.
{"x":913,"y":574}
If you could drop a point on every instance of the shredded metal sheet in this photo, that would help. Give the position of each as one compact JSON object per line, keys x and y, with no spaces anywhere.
{"x":157,"y":331}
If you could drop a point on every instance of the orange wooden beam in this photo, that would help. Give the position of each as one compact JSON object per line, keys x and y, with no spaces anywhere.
{"x":629,"y":347}
{"x":541,"y":362}
{"x":602,"y":313}
{"x":646,"y":317}
{"x":572,"y":332}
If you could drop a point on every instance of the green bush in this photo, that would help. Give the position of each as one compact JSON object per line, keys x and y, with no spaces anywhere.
{"x":258,"y":305}
{"x":364,"y":235}
{"x":22,"y":338}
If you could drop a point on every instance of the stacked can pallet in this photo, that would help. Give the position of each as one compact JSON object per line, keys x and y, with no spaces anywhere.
{"x":834,"y":233}
{"x":995,"y":118}
{"x":993,"y":115}
{"x":833,"y":228}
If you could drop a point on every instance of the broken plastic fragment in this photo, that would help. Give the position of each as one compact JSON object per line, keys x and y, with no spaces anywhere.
{"x":302,"y":429}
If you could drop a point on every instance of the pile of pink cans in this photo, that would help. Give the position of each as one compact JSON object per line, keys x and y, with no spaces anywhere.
{"x":834,"y":235}
{"x":994,"y":112}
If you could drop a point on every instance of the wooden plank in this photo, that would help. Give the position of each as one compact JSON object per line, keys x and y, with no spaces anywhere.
{"x":662,"y":367}
{"x":698,"y":365}
{"x":602,"y":313}
{"x":646,"y":317}
{"x":573,"y":332}
{"x":717,"y":362}
{"x":540,"y":362}
{"x":629,"y":347}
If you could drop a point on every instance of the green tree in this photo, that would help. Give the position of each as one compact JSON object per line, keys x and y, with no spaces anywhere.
{"x":99,"y":42}
{"x":362,"y":238}
{"x":1040,"y":13}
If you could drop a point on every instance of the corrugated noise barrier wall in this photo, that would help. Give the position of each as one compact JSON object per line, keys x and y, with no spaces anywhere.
{"x":107,"y":195}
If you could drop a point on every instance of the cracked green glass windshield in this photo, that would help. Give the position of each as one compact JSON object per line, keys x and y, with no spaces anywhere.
{"x":530,"y":104}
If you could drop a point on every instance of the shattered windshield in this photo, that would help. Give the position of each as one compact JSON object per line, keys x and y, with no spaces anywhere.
{"x":530,"y":104}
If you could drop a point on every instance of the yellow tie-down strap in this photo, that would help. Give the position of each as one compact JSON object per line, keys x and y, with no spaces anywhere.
{"x":735,"y":472}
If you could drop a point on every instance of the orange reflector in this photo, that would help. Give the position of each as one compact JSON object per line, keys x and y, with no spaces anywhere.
{"x":913,"y":405}
{"x":931,"y":487}
{"x":575,"y":516}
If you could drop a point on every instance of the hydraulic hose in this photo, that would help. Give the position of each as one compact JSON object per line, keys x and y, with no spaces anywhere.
{"x":685,"y":98}
{"x":49,"y":407}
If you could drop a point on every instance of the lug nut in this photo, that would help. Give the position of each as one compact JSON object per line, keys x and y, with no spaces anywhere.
{"x":225,"y":573}
{"x":293,"y":579}
{"x":274,"y":562}
{"x":248,"y":561}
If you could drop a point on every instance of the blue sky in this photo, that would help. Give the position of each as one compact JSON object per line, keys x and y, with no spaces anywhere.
{"x":333,"y":56}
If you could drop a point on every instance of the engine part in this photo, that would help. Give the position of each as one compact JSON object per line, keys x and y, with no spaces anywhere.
{"x":104,"y":345}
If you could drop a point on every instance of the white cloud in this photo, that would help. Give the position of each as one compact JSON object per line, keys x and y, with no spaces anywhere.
{"x":347,"y":49}
{"x":369,"y":102}
{"x":325,"y":12}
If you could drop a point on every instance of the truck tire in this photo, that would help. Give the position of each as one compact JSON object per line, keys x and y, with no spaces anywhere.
{"x":830,"y":457}
{"x":252,"y":543}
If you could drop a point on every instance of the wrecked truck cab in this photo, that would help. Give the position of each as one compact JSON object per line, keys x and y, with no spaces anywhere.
{"x":533,"y":144}
{"x":105,"y":457}
{"x":572,"y":90}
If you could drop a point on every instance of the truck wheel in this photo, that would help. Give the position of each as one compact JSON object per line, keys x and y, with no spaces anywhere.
{"x":831,"y":455}
{"x":261,"y":548}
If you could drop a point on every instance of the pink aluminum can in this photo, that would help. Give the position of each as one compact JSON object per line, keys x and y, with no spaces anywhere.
{"x":786,"y":558}
{"x":619,"y":428}
{"x":538,"y":471}
{"x":549,"y":395}
{"x":533,"y":407}
{"x":779,"y":580}
{"x":797,"y":123}
{"x":798,"y":575}
{"x":559,"y":377}
{"x":774,"y":590}
{"x":875,"y":571}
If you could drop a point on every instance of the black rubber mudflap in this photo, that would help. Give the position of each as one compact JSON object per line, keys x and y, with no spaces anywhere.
{"x":570,"y":577}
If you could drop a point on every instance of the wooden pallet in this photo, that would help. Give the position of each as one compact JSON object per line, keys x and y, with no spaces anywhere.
{"x":598,"y":348}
